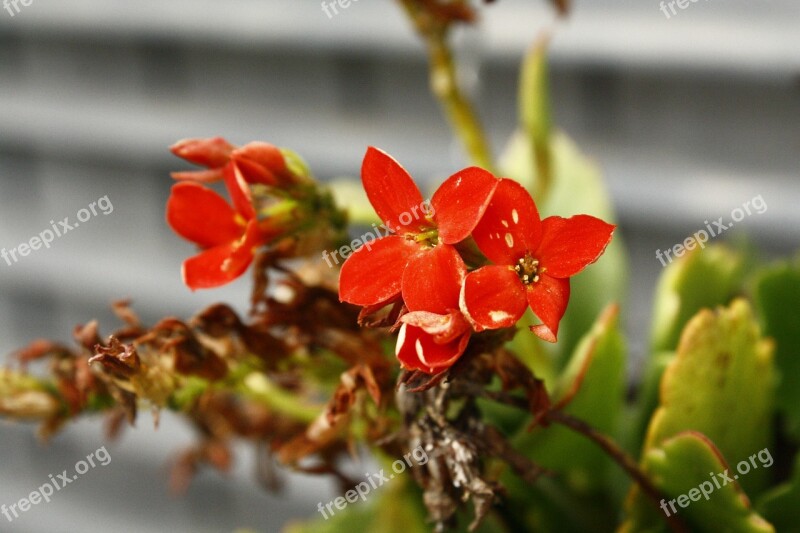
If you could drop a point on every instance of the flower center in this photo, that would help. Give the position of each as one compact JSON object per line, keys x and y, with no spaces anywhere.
{"x":429,"y":238}
{"x":527,"y":269}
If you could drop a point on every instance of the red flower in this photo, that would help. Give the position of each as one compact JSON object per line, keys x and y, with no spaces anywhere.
{"x":534,"y":260}
{"x":433,"y":339}
{"x":258,"y":162}
{"x":417,"y":261}
{"x":228,"y":235}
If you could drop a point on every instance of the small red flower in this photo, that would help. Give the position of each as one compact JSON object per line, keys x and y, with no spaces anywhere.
{"x":258,"y":162}
{"x":228,"y":235}
{"x":417,"y":260}
{"x":433,"y":339}
{"x":534,"y":260}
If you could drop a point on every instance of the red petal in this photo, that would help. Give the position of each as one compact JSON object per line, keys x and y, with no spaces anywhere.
{"x":460,"y":202}
{"x":392,"y":192}
{"x":253,"y":172}
{"x":432,"y":280}
{"x":443,"y":328}
{"x":510,"y":226}
{"x":570,"y":244}
{"x":239,"y":190}
{"x":548,"y":298}
{"x":373,"y":273}
{"x":417,"y":350}
{"x":201,"y":215}
{"x":493,"y":297}
{"x":221,"y":264}
{"x":211,"y":153}
{"x":266,"y":159}
{"x":201,"y":176}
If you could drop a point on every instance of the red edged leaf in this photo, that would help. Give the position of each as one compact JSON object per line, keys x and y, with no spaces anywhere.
{"x":239,"y":190}
{"x":416,"y":350}
{"x":493,"y":297}
{"x":373,"y":273}
{"x":222,"y":264}
{"x":213,"y":152}
{"x":548,"y":299}
{"x":391,"y":191}
{"x":571,"y":244}
{"x":460,"y":202}
{"x":432,"y":280}
{"x":202,"y":216}
{"x":443,"y":328}
{"x":510,"y":226}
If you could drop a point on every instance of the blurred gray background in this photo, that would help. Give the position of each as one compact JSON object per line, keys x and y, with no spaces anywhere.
{"x":689,"y":117}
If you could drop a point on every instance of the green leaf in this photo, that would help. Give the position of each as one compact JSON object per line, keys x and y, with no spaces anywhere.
{"x":721,"y":383}
{"x":577,"y":188}
{"x":596,"y":377}
{"x":534,"y":101}
{"x":777,"y":294}
{"x":781,"y":505}
{"x":703,"y":278}
{"x":684,"y":468}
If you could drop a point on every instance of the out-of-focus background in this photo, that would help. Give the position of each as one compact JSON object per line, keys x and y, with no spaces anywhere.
{"x":689,"y":117}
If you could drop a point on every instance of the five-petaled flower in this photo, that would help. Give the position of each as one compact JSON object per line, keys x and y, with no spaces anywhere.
{"x":534,"y":260}
{"x":416,"y":261}
{"x":228,"y":235}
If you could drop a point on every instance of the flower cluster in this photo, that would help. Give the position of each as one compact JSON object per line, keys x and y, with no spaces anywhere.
{"x":448,"y":289}
{"x":228,"y":234}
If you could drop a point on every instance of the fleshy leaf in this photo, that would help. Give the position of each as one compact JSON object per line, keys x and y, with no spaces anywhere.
{"x":777,"y":294}
{"x":722,"y":366}
{"x":781,"y":505}
{"x":700,"y":279}
{"x":595,"y":381}
{"x":680,"y":468}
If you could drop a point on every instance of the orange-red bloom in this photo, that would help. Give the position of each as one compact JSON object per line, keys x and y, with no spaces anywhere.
{"x":534,"y":260}
{"x":228,"y":235}
{"x":413,"y":260}
{"x":257,"y":162}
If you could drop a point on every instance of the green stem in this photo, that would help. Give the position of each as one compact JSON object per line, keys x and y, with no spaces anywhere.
{"x":444,"y":85}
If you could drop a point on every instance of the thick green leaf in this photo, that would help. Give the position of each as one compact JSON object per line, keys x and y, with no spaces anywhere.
{"x":703,"y":278}
{"x":721,"y":384}
{"x":777,"y":295}
{"x":685,"y":469}
{"x":781,"y":505}
{"x":534,"y":101}
{"x":596,"y":377}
